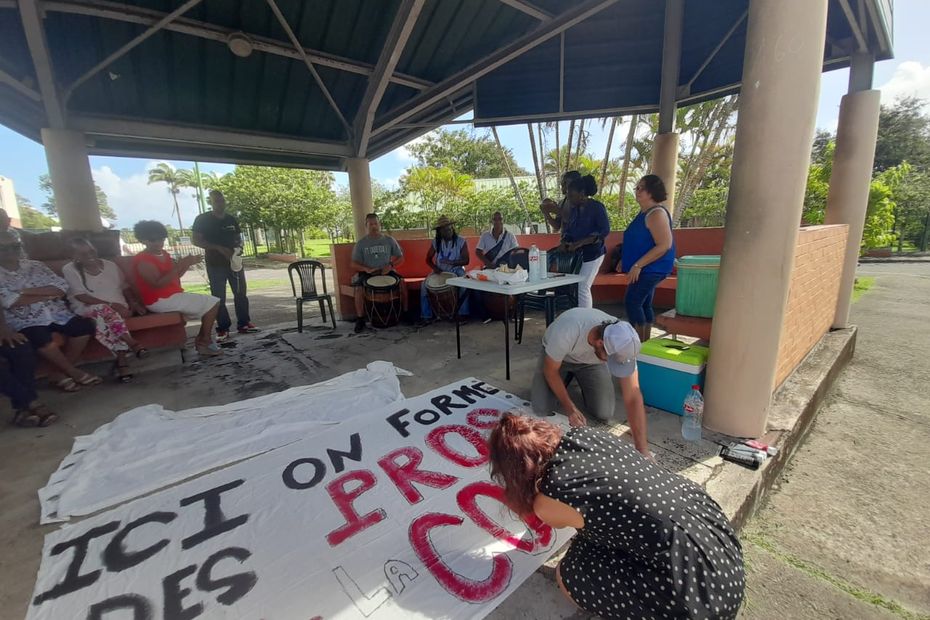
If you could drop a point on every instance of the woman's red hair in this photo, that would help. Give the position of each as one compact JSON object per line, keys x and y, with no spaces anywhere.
{"x":521,"y":447}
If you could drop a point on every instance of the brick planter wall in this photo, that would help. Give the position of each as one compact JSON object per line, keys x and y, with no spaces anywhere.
{"x":815,"y":283}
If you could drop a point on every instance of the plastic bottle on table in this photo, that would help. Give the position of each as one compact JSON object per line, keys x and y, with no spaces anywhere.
{"x":543,"y":264}
{"x":534,"y":263}
{"x":692,"y":414}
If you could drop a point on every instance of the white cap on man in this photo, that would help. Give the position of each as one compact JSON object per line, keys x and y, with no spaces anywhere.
{"x":622,"y":346}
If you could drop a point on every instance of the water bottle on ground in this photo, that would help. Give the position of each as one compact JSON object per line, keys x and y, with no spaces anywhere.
{"x":534,"y":263}
{"x":692,"y":414}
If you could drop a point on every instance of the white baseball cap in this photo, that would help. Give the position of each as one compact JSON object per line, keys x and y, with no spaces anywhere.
{"x":621,"y":343}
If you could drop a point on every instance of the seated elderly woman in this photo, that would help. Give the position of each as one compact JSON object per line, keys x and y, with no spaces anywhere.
{"x":650,"y":544}
{"x":18,"y":379}
{"x":33,"y":304}
{"x":158,"y":279}
{"x":98,"y":290}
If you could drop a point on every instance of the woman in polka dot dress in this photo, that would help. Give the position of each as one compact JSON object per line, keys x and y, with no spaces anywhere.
{"x":650,"y":543}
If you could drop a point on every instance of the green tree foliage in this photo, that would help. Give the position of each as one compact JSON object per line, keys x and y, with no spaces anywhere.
{"x":174,"y":180}
{"x":880,"y":215}
{"x":45,"y":184}
{"x":286,"y":200}
{"x":903,"y":135}
{"x":31,"y":218}
{"x":470,"y":153}
{"x":818,"y":179}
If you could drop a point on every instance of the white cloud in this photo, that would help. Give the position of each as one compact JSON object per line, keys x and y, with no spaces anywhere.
{"x":910,"y":79}
{"x":133,"y":199}
{"x":389,"y":182}
{"x":401,"y":152}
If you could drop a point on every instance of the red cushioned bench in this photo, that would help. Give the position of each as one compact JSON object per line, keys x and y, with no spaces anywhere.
{"x":608,"y":287}
{"x":152,"y":331}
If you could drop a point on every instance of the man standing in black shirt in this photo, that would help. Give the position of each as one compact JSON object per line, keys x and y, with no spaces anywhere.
{"x":218,"y":233}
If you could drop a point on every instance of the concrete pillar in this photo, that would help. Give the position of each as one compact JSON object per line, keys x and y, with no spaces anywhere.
{"x":774,"y":133}
{"x":72,"y":183}
{"x":665,"y":163}
{"x":848,"y":199}
{"x":360,"y":192}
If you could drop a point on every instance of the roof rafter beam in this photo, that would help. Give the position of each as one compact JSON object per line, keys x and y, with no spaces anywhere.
{"x":125,"y":49}
{"x":469,"y":75}
{"x":854,"y":26}
{"x":404,"y":21}
{"x":715,"y":51}
{"x":187,"y":135}
{"x":42,"y":62}
{"x":309,"y":63}
{"x":18,"y":86}
{"x":135,"y":15}
{"x":529,"y":9}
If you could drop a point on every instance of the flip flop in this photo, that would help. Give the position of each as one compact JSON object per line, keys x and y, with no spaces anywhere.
{"x":121,"y":373}
{"x":67,"y":384}
{"x":141,"y":352}
{"x":89,"y":379}
{"x":46,"y":417}
{"x":24,"y":418}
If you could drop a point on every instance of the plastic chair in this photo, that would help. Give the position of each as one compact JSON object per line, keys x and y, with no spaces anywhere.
{"x":306,"y":271}
{"x":553,"y":300}
{"x":517,"y":256}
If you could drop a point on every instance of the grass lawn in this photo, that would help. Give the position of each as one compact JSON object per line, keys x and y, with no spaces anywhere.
{"x":861,"y":286}
{"x":315,"y":248}
{"x":253,"y":285}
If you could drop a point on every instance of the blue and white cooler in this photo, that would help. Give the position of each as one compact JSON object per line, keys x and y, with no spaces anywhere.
{"x":667,"y":370}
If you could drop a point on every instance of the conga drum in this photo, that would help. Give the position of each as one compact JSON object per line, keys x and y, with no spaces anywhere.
{"x":382,"y":300}
{"x":442,"y":297}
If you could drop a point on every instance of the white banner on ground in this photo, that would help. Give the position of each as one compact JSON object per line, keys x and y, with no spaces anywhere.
{"x":387,"y":515}
{"x":150,"y":447}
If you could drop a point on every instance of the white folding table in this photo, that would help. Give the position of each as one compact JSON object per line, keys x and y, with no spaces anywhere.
{"x":554,"y":280}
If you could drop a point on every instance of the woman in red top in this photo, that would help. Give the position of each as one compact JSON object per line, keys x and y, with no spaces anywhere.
{"x":158,"y":279}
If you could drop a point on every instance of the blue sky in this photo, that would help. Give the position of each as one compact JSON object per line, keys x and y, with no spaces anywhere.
{"x":124,"y":179}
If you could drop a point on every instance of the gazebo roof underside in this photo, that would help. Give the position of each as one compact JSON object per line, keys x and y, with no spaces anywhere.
{"x":390,"y":69}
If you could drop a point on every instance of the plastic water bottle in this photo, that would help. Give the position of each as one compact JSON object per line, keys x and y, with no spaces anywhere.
{"x":543,"y":264}
{"x":534,"y":263}
{"x":692,"y":414}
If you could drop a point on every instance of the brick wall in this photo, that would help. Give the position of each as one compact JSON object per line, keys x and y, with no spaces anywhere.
{"x":815,"y":283}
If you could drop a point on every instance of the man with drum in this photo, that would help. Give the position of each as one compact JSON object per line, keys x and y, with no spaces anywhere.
{"x":494,"y":244}
{"x":375,"y":255}
{"x":447,"y":257}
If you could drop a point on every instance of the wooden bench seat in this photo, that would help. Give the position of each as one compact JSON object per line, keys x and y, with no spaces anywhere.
{"x":680,"y":325}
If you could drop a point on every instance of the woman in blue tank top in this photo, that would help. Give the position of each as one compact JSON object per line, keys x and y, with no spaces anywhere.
{"x":648,"y":253}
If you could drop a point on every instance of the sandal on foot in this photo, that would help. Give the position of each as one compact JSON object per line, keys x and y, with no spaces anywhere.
{"x":140,"y":352}
{"x":23,"y":418}
{"x":67,"y":384}
{"x":208,"y":350}
{"x":89,"y":379}
{"x":46,"y":417}
{"x":122,"y":372}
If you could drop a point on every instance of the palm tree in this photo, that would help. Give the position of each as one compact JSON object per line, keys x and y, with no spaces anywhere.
{"x":513,"y":182}
{"x":165,"y":173}
{"x":613,"y":120}
{"x":206,"y":180}
{"x":627,"y":152}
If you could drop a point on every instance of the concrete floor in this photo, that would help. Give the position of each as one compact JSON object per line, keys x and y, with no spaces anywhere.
{"x":274,"y":360}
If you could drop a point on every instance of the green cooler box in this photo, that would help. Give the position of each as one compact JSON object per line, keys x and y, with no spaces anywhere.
{"x":667,"y":370}
{"x":697,"y":285}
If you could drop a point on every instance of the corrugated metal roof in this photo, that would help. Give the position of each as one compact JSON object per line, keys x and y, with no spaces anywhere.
{"x":234,"y":108}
